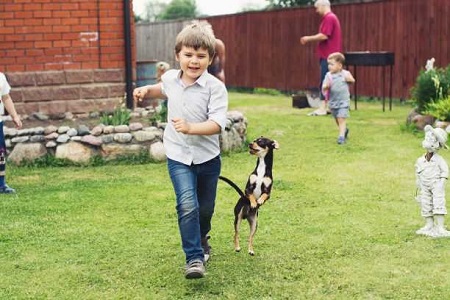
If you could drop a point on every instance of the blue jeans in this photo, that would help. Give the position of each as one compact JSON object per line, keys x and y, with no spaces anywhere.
{"x":323,"y":72}
{"x":195,"y":187}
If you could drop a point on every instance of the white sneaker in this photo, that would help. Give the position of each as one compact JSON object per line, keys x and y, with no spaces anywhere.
{"x":318,"y":112}
{"x":439,"y":232}
{"x":426,"y":230}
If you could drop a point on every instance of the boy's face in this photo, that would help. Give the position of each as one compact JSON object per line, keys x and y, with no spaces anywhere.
{"x":192,"y":62}
{"x":334,"y":66}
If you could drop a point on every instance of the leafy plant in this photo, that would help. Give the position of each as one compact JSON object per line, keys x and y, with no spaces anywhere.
{"x":160,"y":114}
{"x":440,"y":109}
{"x":430,"y":86}
{"x":120,"y":116}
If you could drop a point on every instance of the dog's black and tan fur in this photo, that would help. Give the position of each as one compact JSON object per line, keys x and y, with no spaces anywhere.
{"x":257,"y":190}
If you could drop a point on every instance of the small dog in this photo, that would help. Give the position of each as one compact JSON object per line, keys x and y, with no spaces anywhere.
{"x":257,"y":190}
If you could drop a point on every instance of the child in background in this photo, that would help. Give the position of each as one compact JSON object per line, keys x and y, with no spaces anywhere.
{"x":9,"y":106}
{"x":197,"y":108}
{"x":337,"y":94}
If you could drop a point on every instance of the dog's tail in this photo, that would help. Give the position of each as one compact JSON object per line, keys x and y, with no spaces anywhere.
{"x":240,"y":192}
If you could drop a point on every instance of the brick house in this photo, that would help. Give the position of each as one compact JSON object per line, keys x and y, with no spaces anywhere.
{"x":67,"y":55}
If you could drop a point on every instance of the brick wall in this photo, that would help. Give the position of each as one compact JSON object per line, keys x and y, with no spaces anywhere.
{"x":63,"y":54}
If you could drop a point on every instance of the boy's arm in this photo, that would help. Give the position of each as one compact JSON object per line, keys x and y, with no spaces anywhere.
{"x":148,"y":91}
{"x":349,"y":77}
{"x":204,"y":128}
{"x":9,"y":106}
{"x":217,"y":112}
{"x":326,"y":83}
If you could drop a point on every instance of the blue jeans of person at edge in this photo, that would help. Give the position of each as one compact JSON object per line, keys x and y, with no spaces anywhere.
{"x":323,"y":71}
{"x":195,"y":187}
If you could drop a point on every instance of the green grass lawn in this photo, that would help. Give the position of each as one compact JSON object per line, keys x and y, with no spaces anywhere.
{"x":340,"y":223}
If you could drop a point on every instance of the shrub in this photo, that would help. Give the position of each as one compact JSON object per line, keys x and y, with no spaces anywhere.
{"x":430,"y":86}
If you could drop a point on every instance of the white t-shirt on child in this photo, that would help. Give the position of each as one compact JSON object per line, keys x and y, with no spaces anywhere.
{"x":4,"y":90}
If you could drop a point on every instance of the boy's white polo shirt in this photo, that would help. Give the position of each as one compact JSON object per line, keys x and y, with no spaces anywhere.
{"x":206,"y":99}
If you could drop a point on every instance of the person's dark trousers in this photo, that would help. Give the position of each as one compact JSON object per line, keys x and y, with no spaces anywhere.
{"x":2,"y":156}
{"x":323,"y":72}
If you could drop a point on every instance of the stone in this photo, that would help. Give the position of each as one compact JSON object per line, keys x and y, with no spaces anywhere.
{"x":92,"y":140}
{"x":63,"y":129}
{"x":107,"y":138}
{"x":52,"y":136}
{"x":113,"y":151}
{"x":121,"y":129}
{"x":83,"y":130}
{"x":75,"y":152}
{"x":136,"y":126}
{"x":123,"y":138}
{"x":72,"y":132}
{"x":50,"y":129}
{"x":27,"y":152}
{"x":108,"y":129}
{"x":63,"y":138}
{"x":51,"y":144}
{"x":37,"y":138}
{"x":157,"y":152}
{"x":25,"y":131}
{"x":97,"y":130}
{"x":39,"y":116}
{"x":143,"y":136}
{"x":38,"y":130}
{"x":420,"y":121}
{"x":20,"y":139}
{"x":10,"y":132}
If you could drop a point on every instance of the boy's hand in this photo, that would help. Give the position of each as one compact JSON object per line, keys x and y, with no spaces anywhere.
{"x":17,"y":121}
{"x":139,"y":93}
{"x":181,"y":125}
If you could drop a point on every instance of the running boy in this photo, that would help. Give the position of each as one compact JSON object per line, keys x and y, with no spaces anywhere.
{"x":336,"y":90}
{"x":197,"y":107}
{"x":9,"y":106}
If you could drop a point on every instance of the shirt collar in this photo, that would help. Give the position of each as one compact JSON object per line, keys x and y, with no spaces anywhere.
{"x":200,"y":81}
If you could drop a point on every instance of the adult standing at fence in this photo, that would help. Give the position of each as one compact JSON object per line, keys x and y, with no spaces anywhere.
{"x":329,"y":40}
{"x":217,"y":66}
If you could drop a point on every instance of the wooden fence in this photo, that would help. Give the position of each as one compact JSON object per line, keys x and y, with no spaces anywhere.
{"x":264,"y":50}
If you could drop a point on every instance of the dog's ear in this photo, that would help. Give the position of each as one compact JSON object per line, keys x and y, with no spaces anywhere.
{"x":275,"y":145}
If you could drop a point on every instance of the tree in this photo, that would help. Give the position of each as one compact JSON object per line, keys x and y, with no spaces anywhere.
{"x":289,"y":3}
{"x":293,"y":3}
{"x":153,"y":8}
{"x":179,"y":9}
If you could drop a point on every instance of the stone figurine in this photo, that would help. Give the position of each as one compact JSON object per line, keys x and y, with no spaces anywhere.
{"x":431,"y":176}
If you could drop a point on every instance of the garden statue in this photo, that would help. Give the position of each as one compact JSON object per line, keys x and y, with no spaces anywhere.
{"x":430,"y":64}
{"x":431,"y":175}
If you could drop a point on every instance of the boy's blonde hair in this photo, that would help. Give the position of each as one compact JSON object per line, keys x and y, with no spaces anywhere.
{"x":198,"y":34}
{"x":338,"y":57}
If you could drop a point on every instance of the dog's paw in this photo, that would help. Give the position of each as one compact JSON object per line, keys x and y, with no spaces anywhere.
{"x":253,"y":204}
{"x":237,"y":249}
{"x":260,"y":202}
{"x":251,"y":252}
